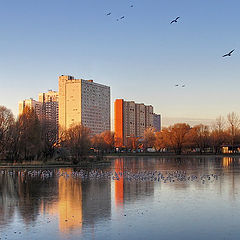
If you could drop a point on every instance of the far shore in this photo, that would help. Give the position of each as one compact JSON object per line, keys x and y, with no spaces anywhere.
{"x":106,"y":160}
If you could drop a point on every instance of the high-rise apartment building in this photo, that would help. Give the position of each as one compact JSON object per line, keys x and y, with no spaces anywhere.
{"x":46,"y":109}
{"x":32,"y":104}
{"x":85,"y":102}
{"x":131,"y":120}
{"x":157,"y":122}
{"x":49,"y":102}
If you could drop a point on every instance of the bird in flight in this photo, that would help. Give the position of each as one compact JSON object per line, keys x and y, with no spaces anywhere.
{"x":183,"y":85}
{"x":175,"y":20}
{"x":131,"y":6}
{"x":109,"y":14}
{"x":228,"y":54}
{"x":122,"y":17}
{"x":176,"y":85}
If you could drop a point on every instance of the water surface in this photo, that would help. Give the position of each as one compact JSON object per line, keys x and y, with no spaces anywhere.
{"x":131,"y":199}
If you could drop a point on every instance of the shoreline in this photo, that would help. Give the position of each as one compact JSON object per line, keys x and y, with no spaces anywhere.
{"x":172,"y":155}
{"x":107,"y":161}
{"x":39,"y":164}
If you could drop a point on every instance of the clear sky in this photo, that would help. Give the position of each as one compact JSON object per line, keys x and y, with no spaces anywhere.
{"x":141,"y":57}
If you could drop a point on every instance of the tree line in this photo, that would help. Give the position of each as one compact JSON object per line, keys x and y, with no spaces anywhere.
{"x":26,"y":138}
{"x":199,"y":138}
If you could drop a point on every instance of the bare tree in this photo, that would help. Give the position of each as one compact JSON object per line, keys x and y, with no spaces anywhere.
{"x":220,"y":124}
{"x":6,"y":124}
{"x":200,"y":136}
{"x":77,"y":140}
{"x":28,"y":135}
{"x":108,"y":140}
{"x":233,"y":126}
{"x":176,"y":136}
{"x":149,"y":138}
{"x":133,"y":142}
{"x":159,"y":141}
{"x":48,"y":139}
{"x":218,"y":135}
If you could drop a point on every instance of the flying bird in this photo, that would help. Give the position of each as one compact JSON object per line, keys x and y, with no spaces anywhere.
{"x":175,"y":20}
{"x":131,"y":6}
{"x":176,"y":85}
{"x":109,"y":14}
{"x":228,"y":54}
{"x":183,"y":85}
{"x":122,"y":17}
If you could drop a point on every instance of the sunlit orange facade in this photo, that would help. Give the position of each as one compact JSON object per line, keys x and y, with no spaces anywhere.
{"x":118,"y":117}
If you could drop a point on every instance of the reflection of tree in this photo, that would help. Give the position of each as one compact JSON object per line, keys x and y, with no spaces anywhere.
{"x":8,"y":198}
{"x":23,"y":193}
{"x":31,"y":191}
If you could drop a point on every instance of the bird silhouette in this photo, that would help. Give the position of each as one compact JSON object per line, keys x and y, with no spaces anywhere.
{"x":109,"y":14}
{"x":228,"y":54}
{"x":183,"y":85}
{"x":175,"y":20}
{"x":131,"y":6}
{"x":122,"y":17}
{"x":176,"y":85}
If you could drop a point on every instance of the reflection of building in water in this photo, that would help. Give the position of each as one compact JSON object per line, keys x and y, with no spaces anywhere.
{"x":96,"y":200}
{"x":68,"y":206}
{"x":227,"y":161}
{"x":130,"y":190}
{"x":119,"y":184}
{"x":80,"y":202}
{"x":70,"y":203}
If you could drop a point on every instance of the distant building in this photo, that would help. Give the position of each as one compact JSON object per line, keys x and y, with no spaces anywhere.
{"x":157,"y":122}
{"x":46,"y":109}
{"x":32,"y":104}
{"x":85,"y":102}
{"x":131,"y":120}
{"x":49,"y":102}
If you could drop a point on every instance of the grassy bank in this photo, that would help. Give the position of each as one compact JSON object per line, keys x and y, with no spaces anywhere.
{"x":55,"y":164}
{"x":106,"y":161}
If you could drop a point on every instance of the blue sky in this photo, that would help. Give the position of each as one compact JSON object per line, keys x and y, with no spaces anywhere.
{"x":141,"y":57}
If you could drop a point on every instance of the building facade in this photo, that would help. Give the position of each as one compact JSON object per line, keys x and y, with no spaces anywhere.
{"x":157,"y":123}
{"x":131,"y":119}
{"x":32,"y":104}
{"x":85,"y":102}
{"x":49,"y":102}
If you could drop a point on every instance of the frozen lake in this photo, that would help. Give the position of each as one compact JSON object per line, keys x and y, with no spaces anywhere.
{"x":134,"y":198}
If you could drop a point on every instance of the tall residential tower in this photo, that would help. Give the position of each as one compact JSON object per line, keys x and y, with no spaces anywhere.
{"x":85,"y":102}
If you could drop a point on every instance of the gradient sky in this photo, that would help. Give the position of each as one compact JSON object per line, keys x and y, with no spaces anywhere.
{"x":141,"y":57}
